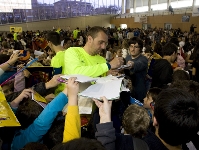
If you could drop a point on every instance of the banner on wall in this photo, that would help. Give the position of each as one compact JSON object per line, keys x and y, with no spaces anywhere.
{"x":195,"y":11}
{"x":140,"y":19}
{"x":16,"y":29}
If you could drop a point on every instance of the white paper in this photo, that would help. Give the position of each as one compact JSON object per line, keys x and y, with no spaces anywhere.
{"x":85,"y":105}
{"x":111,"y":90}
{"x":80,"y":78}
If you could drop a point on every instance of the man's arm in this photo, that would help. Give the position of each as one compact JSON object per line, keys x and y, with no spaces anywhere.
{"x":138,"y":65}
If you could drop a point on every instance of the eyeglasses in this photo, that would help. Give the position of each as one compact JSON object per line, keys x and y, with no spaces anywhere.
{"x":131,"y":46}
{"x":152,"y":104}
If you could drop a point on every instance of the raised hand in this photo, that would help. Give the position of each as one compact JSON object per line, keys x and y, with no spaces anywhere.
{"x":104,"y":110}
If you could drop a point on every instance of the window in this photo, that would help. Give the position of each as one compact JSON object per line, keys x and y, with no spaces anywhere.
{"x":159,"y":6}
{"x":142,"y":9}
{"x":181,"y":3}
{"x":131,"y":10}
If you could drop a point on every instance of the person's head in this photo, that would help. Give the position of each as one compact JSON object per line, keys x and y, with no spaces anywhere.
{"x":8,"y":88}
{"x":180,"y":75}
{"x":176,"y":116}
{"x":4,"y":58}
{"x":148,"y":52}
{"x":5,"y":44}
{"x":174,"y":40}
{"x":136,"y":121}
{"x":53,"y":39}
{"x":158,"y":48}
{"x":10,"y":37}
{"x":67,"y":43}
{"x":97,"y":40}
{"x":27,"y":112}
{"x":18,"y":37}
{"x":188,"y":85}
{"x":170,"y":50}
{"x":35,"y":146}
{"x":117,"y":52}
{"x":151,"y":96}
{"x":135,"y":46}
{"x":80,"y":144}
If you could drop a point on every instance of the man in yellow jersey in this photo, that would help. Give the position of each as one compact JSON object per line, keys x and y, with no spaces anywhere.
{"x":86,"y":60}
{"x":75,"y":33}
{"x":54,"y":43}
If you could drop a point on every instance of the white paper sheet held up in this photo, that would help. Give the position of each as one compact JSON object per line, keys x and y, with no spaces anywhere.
{"x":80,"y":78}
{"x":111,"y":90}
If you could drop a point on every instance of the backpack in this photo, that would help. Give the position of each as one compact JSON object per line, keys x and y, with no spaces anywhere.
{"x":140,"y":144}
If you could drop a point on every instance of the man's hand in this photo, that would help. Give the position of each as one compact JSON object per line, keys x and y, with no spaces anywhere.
{"x":130,"y":64}
{"x":116,"y":62}
{"x":53,"y":82}
{"x":104,"y":110}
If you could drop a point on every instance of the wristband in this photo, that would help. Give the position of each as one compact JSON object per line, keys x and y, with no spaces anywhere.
{"x":109,"y":66}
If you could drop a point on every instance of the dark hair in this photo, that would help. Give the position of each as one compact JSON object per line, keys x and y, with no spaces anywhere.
{"x":94,"y":31}
{"x":174,"y":40}
{"x":177,"y":115}
{"x":196,"y":54}
{"x":67,"y":39}
{"x":169,"y":49}
{"x":35,"y":146}
{"x":4,"y":58}
{"x":80,"y":144}
{"x":158,"y":48}
{"x":154,"y":92}
{"x":188,"y":85}
{"x":54,"y":37}
{"x":10,"y":36}
{"x":27,"y":112}
{"x":135,"y":40}
{"x":180,"y":75}
{"x":54,"y":135}
{"x":148,"y":49}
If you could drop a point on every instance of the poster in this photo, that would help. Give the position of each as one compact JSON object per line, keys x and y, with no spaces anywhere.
{"x":16,"y":29}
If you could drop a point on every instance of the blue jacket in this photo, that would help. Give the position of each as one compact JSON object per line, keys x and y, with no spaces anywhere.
{"x":41,"y":125}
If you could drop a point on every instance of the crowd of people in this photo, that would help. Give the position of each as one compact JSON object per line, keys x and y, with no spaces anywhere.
{"x":159,"y":112}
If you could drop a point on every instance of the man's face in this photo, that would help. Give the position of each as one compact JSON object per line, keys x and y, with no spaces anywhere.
{"x":134,"y":50}
{"x":98,"y":43}
{"x":147,"y":101}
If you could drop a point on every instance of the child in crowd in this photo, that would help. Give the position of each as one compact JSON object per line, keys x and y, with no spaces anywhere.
{"x":150,"y":97}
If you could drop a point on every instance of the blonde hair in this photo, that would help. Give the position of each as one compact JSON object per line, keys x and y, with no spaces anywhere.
{"x":136,"y":121}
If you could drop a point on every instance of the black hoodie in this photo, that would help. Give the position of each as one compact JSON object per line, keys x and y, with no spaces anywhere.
{"x":161,"y":73}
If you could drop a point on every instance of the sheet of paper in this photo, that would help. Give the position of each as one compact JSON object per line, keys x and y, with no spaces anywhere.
{"x":111,"y":90}
{"x":80,"y":78}
{"x":85,"y":105}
